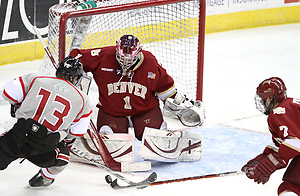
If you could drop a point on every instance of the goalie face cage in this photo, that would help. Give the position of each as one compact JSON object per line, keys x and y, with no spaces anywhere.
{"x":173,"y":30}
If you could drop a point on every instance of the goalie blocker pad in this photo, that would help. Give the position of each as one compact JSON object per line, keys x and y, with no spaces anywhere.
{"x":119,"y":145}
{"x":171,"y":146}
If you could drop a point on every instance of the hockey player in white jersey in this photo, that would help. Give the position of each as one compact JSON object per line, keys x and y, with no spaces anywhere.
{"x":51,"y":113}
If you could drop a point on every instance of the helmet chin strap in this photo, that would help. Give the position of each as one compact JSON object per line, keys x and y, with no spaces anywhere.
{"x":270,"y":106}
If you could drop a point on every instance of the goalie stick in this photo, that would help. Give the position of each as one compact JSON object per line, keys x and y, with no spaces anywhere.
{"x":139,"y":185}
{"x":95,"y":136}
{"x":222,"y":174}
{"x":109,"y":161}
{"x":150,"y":180}
{"x":95,"y":162}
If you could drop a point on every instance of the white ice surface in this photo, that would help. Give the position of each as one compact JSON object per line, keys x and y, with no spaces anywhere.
{"x":235,"y":63}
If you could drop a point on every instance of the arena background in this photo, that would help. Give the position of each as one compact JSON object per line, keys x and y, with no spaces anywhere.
{"x":18,"y":42}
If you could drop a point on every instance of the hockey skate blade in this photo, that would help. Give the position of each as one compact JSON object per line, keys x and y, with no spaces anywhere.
{"x":136,"y":166}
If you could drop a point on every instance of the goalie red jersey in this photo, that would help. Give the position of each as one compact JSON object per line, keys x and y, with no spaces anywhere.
{"x":130,"y":94}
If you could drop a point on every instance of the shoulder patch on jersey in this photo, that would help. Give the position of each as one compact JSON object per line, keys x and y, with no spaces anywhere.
{"x":107,"y":69}
{"x":279,"y":110}
{"x":95,"y":52}
{"x":151,"y":75}
{"x":61,"y":87}
{"x":78,"y":56}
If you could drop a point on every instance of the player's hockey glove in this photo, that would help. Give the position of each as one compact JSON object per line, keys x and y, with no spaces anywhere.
{"x":267,"y":166}
{"x":261,"y":167}
{"x":13,"y":109}
{"x":250,"y":166}
{"x":38,"y":138}
{"x":28,"y":138}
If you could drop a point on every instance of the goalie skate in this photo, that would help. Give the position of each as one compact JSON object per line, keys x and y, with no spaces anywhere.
{"x":171,"y":146}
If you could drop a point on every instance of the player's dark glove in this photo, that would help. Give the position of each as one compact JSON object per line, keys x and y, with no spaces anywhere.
{"x":250,"y":166}
{"x":267,"y":166}
{"x":28,"y":138}
{"x":13,"y":109}
{"x":38,"y":138}
{"x":261,"y":167}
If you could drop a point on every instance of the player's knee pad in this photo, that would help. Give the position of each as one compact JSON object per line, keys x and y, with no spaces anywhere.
{"x":171,"y":146}
{"x":164,"y":126}
{"x":105,"y":129}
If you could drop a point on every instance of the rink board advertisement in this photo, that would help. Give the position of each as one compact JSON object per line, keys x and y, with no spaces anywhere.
{"x":18,"y":17}
{"x":215,"y":7}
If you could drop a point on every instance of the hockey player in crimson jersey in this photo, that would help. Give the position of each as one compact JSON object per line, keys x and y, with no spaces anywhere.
{"x":51,"y":113}
{"x":130,"y":81}
{"x":283,"y":120}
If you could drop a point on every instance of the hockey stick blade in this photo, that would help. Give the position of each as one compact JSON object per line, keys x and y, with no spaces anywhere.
{"x":139,"y":185}
{"x":85,"y":155}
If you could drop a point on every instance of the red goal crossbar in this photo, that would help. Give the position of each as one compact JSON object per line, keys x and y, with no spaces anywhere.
{"x":138,"y":5}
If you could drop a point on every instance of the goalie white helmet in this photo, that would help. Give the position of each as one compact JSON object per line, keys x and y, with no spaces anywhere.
{"x":128,"y":52}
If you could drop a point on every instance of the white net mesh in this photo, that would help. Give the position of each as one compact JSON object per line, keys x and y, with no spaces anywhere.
{"x":169,"y":31}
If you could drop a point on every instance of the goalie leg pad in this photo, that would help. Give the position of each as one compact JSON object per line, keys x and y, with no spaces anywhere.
{"x":120,"y":146}
{"x":171,"y":146}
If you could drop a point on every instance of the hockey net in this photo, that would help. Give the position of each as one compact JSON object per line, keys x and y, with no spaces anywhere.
{"x":173,"y":30}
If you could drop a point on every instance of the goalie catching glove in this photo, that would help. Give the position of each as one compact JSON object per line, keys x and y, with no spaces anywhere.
{"x":190,"y":113}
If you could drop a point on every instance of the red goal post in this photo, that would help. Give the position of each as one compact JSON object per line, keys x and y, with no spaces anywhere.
{"x":173,"y":30}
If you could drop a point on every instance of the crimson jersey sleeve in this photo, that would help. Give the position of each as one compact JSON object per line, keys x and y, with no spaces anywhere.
{"x":163,"y":85}
{"x":90,"y":58}
{"x":284,"y":125}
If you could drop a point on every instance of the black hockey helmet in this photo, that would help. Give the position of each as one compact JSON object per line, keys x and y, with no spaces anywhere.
{"x":70,"y":69}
